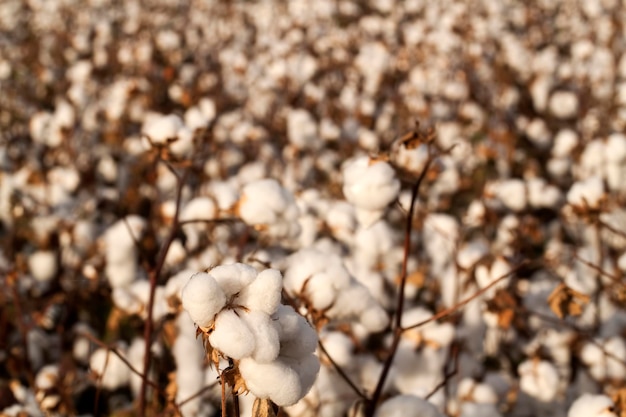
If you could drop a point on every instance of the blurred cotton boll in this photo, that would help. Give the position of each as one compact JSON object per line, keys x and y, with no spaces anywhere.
{"x":43,"y":265}
{"x":407,"y":406}
{"x":370,"y":185}
{"x":590,"y":405}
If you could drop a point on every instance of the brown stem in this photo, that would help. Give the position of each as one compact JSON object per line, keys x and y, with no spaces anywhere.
{"x":373,"y":402}
{"x":154,"y":277}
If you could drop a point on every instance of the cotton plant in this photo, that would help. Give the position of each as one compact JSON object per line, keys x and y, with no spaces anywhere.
{"x":370,"y":185}
{"x":240,"y":315}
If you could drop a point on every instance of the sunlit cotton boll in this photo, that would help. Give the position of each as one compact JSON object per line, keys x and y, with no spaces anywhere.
{"x":590,"y":405}
{"x":587,"y":193}
{"x":407,"y":406}
{"x":233,"y":278}
{"x":232,"y":336}
{"x":264,"y":293}
{"x":43,"y":265}
{"x":269,"y":207}
{"x":111,"y":372}
{"x":539,"y":379}
{"x":203,"y":298}
{"x":265,"y":335}
{"x":297,"y":338}
{"x":275,"y":380}
{"x":370,"y":185}
{"x":159,"y":129}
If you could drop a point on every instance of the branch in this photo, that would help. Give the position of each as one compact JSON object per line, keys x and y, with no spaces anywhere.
{"x":154,"y":277}
{"x":341,"y":372}
{"x":373,"y":402}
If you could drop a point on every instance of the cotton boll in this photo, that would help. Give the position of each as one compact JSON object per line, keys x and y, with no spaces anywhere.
{"x":374,"y":318}
{"x":541,"y":194}
{"x":47,"y":377}
{"x":605,"y":358}
{"x":233,"y":278}
{"x":266,"y":343}
{"x":232,"y":336}
{"x":275,"y":380}
{"x":188,"y":354}
{"x":297,"y":337}
{"x":563,"y":104}
{"x":587,"y":193}
{"x":539,"y":379}
{"x":307,"y":367}
{"x":590,"y":405}
{"x":370,"y":185}
{"x":111,"y":371}
{"x":264,"y":293}
{"x":565,"y":141}
{"x":470,"y":253}
{"x":511,"y":193}
{"x":161,"y":128}
{"x":407,"y":406}
{"x":121,"y":275}
{"x":203,"y":298}
{"x":339,"y":347}
{"x":302,"y":129}
{"x":43,"y":265}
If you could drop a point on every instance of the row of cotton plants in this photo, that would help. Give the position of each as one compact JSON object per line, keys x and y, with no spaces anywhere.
{"x":228,"y":208}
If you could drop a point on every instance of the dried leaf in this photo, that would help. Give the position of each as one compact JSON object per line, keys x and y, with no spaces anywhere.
{"x":564,"y":301}
{"x":503,"y":304}
{"x":263,"y":408}
{"x":233,"y":379}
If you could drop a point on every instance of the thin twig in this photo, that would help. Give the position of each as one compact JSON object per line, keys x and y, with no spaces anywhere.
{"x":341,"y":372}
{"x":448,"y":375}
{"x":154,"y":277}
{"x":458,"y":306}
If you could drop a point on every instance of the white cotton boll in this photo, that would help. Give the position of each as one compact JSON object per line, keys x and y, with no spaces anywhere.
{"x":298,"y":342}
{"x":565,"y":141}
{"x":412,"y":160}
{"x":306,"y":263}
{"x":471,"y":252}
{"x":479,"y":410}
{"x":374,"y":318}
{"x":184,"y":144}
{"x":275,"y":380}
{"x":124,"y":299}
{"x":265,"y":203}
{"x":203,"y":298}
{"x":307,"y":367}
{"x":543,"y":195}
{"x":302,"y":129}
{"x":225,"y":194}
{"x":121,"y":275}
{"x":232,"y":336}
{"x":606,"y":359}
{"x":82,"y":346}
{"x":188,"y":354}
{"x":161,"y":128}
{"x":475,"y":214}
{"x":587,"y":193}
{"x":233,"y":278}
{"x":195,"y":119}
{"x":512,"y":194}
{"x":339,"y":347}
{"x":407,"y":406}
{"x":539,"y":379}
{"x":320,"y":291}
{"x":563,"y":104}
{"x":47,"y":377}
{"x":471,"y":390}
{"x":120,"y":238}
{"x":264,"y":293}
{"x":341,"y":220}
{"x":43,"y":265}
{"x":590,"y":405}
{"x":369,"y":184}
{"x":110,"y":370}
{"x":266,"y":343}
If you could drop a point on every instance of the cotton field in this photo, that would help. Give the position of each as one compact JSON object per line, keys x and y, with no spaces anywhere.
{"x":372,"y":208}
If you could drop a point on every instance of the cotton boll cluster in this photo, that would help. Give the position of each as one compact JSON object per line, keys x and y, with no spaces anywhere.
{"x":269,"y":207}
{"x":240,"y":312}
{"x":168,"y":131}
{"x":539,"y":379}
{"x":605,"y":358}
{"x":370,"y":185}
{"x":323,"y":281}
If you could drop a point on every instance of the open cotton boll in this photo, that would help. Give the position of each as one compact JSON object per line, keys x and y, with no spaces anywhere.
{"x":233,"y":278}
{"x":263,"y":201}
{"x":120,"y":238}
{"x":605,"y":358}
{"x":203,"y":298}
{"x":264,"y":293}
{"x":407,"y":406}
{"x":297,"y":337}
{"x":47,"y":377}
{"x":590,"y":405}
{"x":43,"y":265}
{"x":275,"y":380}
{"x":539,"y":379}
{"x":369,"y":184}
{"x":587,"y":193}
{"x":266,"y":342}
{"x":511,"y":193}
{"x":339,"y":347}
{"x":374,"y":318}
{"x":232,"y":336}
{"x":307,"y":367}
{"x":160,"y":128}
{"x":306,"y":263}
{"x":543,"y":195}
{"x":110,"y":370}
